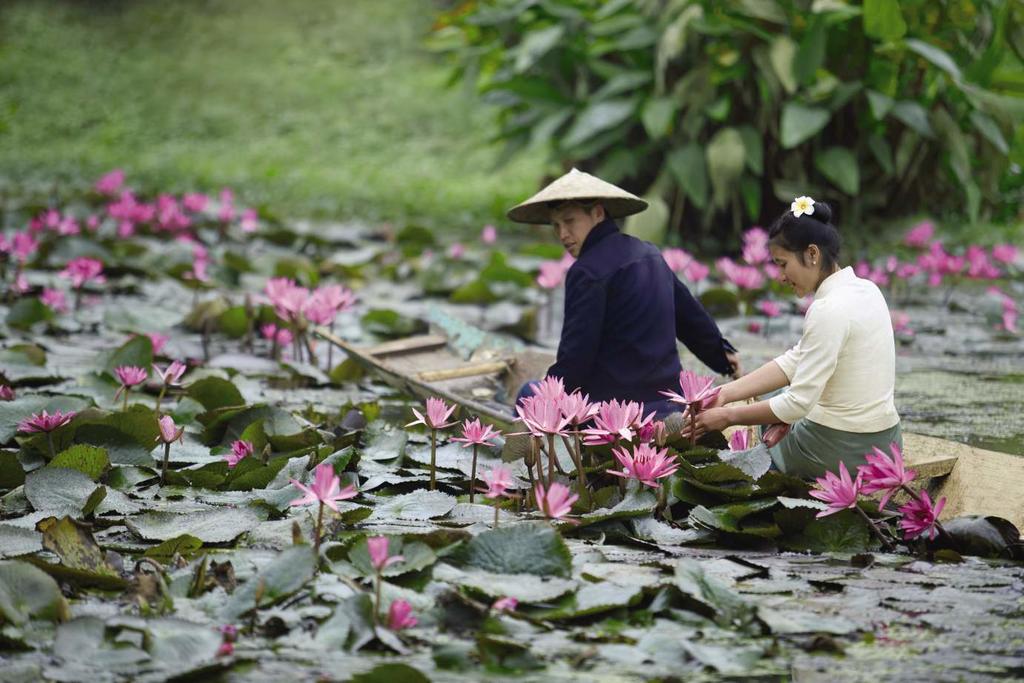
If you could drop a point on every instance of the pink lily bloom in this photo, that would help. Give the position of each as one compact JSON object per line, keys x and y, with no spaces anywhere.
{"x":338,"y":297}
{"x":489,"y":235}
{"x":170,"y":377}
{"x":499,"y":480}
{"x":456,"y":251}
{"x":1005,"y":253}
{"x":754,"y":327}
{"x":284,"y":338}
{"x":379,"y":558}
{"x":755,"y":246}
{"x":239,"y":450}
{"x":551,"y":274}
{"x":250,"y":221}
{"x":646,"y":464}
{"x":473,"y":432}
{"x":550,"y":388}
{"x":55,"y":299}
{"x":920,"y":235}
{"x":505,"y":604}
{"x":195,"y":203}
{"x":555,"y":502}
{"x":130,"y":376}
{"x":269,"y":331}
{"x":884,"y":473}
{"x":227,"y":206}
{"x":436,"y":414}
{"x":744,"y":277}
{"x":111,"y":182}
{"x":42,"y":422}
{"x":542,"y":416}
{"x":23,"y":245}
{"x":677,"y":259}
{"x":839,"y":492}
{"x":6,"y":393}
{"x":772,"y":309}
{"x":653,"y":432}
{"x":82,"y":270}
{"x":326,"y":488}
{"x":696,"y":271}
{"x":400,"y":616}
{"x":740,"y":440}
{"x":614,"y":421}
{"x":900,"y":322}
{"x":169,"y":432}
{"x":159,"y":341}
{"x":577,"y":408}
{"x":318,"y":312}
{"x":920,"y":516}
{"x":697,"y":390}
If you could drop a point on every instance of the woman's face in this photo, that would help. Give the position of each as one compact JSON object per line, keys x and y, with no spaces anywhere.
{"x":572,"y":223}
{"x":803,"y":277}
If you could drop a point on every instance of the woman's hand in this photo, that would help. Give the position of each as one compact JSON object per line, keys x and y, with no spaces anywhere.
{"x":708,"y":420}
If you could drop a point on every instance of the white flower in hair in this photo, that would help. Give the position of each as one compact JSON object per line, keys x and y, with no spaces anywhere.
{"x":801,"y":206}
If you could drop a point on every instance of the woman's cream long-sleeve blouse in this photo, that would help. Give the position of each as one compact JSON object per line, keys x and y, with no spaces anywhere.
{"x":842,"y":372}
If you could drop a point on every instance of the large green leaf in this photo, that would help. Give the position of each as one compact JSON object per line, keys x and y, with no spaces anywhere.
{"x":522,"y":549}
{"x":526,"y":588}
{"x":800,"y":123}
{"x":90,"y":460}
{"x":215,"y":392}
{"x":880,"y":103}
{"x":536,"y":44}
{"x":137,"y":351}
{"x":687,"y":165}
{"x":16,"y":541}
{"x":594,"y":598}
{"x":720,"y":602}
{"x":418,"y":505}
{"x":811,"y":55}
{"x":596,"y":118}
{"x":842,"y":532}
{"x":936,"y":56}
{"x":783,"y":55}
{"x":62,"y":491}
{"x":26,"y":312}
{"x":884,"y":20}
{"x":987,"y":127}
{"x":26,"y":592}
{"x":216,"y":525}
{"x":839,"y":165}
{"x":725,"y":156}
{"x":283,"y":576}
{"x":657,"y":116}
{"x":914,"y":115}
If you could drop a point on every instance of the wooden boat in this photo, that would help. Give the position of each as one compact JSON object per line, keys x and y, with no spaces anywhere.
{"x":973,"y":480}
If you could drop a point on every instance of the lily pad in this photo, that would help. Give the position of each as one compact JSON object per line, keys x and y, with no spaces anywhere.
{"x":637,"y":503}
{"x":287,"y":573}
{"x":533,"y":548}
{"x":16,"y":540}
{"x":62,"y":491}
{"x":713,"y":596}
{"x":27,"y":592}
{"x":418,"y":505}
{"x":415,"y":556}
{"x":73,"y":543}
{"x":594,"y":598}
{"x":526,"y":588}
{"x":215,"y":525}
{"x":91,"y":461}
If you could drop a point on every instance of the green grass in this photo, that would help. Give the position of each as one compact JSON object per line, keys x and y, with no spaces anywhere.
{"x":324,"y":108}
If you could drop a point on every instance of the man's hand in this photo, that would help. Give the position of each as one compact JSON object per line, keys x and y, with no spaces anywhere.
{"x":734,"y":361}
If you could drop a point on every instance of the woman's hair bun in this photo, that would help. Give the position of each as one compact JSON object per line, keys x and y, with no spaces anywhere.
{"x":822,"y":213}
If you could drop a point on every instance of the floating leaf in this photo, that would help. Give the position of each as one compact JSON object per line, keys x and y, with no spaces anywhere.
{"x":91,"y":461}
{"x":26,"y":592}
{"x":418,"y":505}
{"x":185,"y":545}
{"x":719,"y":601}
{"x":216,"y":525}
{"x":391,"y":673}
{"x":533,"y":548}
{"x":639,"y":501}
{"x":526,"y":588}
{"x":843,"y":532}
{"x":287,"y":573}
{"x":415,"y":556}
{"x":215,"y":392}
{"x":62,"y":491}
{"x":16,"y":540}
{"x":73,"y":543}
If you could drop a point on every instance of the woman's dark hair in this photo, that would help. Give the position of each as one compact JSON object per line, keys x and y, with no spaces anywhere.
{"x":795,"y":234}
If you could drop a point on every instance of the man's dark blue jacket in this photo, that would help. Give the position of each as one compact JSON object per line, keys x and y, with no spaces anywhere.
{"x":624,"y":309}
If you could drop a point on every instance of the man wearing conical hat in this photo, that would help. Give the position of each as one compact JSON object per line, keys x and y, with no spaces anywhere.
{"x":624,"y":307}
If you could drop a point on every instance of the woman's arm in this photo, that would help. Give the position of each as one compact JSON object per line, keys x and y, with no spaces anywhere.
{"x":766,"y":378}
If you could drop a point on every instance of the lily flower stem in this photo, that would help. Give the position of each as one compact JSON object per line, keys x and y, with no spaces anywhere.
{"x":693,"y":426}
{"x":49,"y":442}
{"x":376,"y":604}
{"x":125,"y":408}
{"x":433,"y":459}
{"x":167,"y":456}
{"x":319,"y":528}
{"x":160,"y":398}
{"x":78,"y":299}
{"x":529,"y":495}
{"x":496,"y":510}
{"x":330,"y":350}
{"x":552,"y":459}
{"x":581,"y":476}
{"x":472,"y":477}
{"x":662,"y":498}
{"x":886,"y":543}
{"x":536,"y":454}
{"x":309,"y":348}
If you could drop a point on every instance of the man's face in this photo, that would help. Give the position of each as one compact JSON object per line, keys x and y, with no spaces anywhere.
{"x":572,"y":223}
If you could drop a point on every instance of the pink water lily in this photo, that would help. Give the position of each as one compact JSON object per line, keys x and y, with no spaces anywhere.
{"x":55,"y":299}
{"x":239,"y":450}
{"x":505,"y":604}
{"x":129,"y":376}
{"x":577,"y":408}
{"x":884,"y":473}
{"x":195,"y":202}
{"x":6,"y":393}
{"x":677,"y":259}
{"x":920,"y":235}
{"x":550,"y":388}
{"x":326,"y":488}
{"x":556,"y":501}
{"x":542,"y":416}
{"x":378,"y":549}
{"x":1005,"y":253}
{"x":646,"y":464}
{"x":615,"y":421}
{"x":169,"y":432}
{"x":498,"y":480}
{"x":171,"y":377}
{"x":489,"y":235}
{"x":739,"y":440}
{"x":400,"y":616}
{"x":839,"y":492}
{"x":476,"y":433}
{"x":921,"y":516}
{"x":772,"y":309}
{"x":697,"y":390}
{"x":82,"y":270}
{"x":23,"y":245}
{"x":111,"y":182}
{"x":436,"y":414}
{"x":744,"y":277}
{"x":43,"y":422}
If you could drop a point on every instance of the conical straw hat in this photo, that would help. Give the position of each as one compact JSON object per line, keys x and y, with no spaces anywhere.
{"x":581,"y":186}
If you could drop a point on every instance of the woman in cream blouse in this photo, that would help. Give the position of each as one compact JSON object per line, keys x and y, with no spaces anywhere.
{"x":838,"y":381}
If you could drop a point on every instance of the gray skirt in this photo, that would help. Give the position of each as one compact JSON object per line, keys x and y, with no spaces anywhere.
{"x":811,"y":449}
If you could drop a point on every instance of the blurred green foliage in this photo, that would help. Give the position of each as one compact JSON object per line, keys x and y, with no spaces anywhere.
{"x":723,"y":111}
{"x":309,"y":108}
